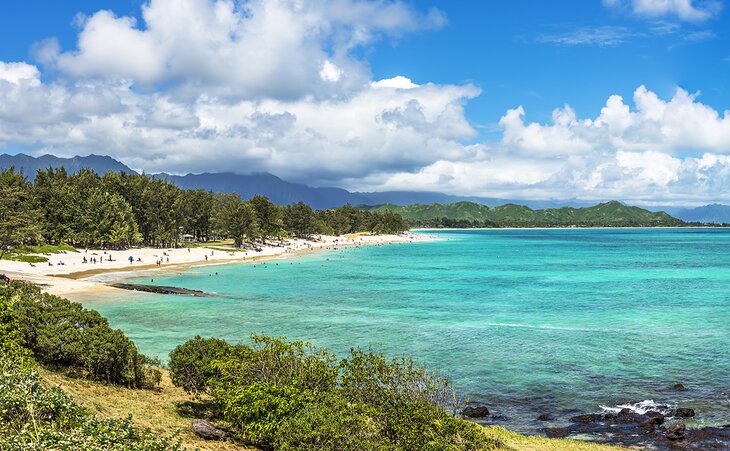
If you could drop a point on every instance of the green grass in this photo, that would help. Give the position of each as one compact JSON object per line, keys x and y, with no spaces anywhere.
{"x":29,"y":254}
{"x":24,"y":258}
{"x":45,"y":249}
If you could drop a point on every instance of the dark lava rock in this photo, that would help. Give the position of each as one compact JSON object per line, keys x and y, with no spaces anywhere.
{"x":475,"y":412}
{"x":587,"y":418}
{"x":676,"y":432}
{"x":647,"y":426}
{"x":556,"y":432}
{"x":679,"y":387}
{"x":158,"y":289}
{"x":682,"y":412}
{"x":544,"y":417}
{"x":204,"y":429}
{"x":655,"y":414}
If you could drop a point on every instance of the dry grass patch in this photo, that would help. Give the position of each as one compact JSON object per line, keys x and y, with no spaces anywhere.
{"x":515,"y":441}
{"x":155,"y":409}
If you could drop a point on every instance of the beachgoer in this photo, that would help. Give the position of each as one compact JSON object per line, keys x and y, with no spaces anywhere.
{"x":131,"y":259}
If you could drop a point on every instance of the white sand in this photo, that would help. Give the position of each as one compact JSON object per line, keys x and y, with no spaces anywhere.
{"x":68,"y":276}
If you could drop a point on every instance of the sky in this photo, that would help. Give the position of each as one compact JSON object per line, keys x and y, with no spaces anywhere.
{"x":583,"y":99}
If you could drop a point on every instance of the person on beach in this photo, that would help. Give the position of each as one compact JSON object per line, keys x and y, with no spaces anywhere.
{"x":131,"y":259}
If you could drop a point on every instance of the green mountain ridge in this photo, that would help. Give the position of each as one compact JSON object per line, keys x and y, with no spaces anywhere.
{"x":470,"y":214}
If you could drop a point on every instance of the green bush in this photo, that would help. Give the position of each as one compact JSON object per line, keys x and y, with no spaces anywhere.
{"x":257,"y":410}
{"x":332,"y":423}
{"x":62,"y":333}
{"x":190,"y":362}
{"x":35,"y":417}
{"x":290,"y":395}
{"x":12,"y":341}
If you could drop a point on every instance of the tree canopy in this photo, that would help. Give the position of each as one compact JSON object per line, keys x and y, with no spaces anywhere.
{"x":118,"y":210}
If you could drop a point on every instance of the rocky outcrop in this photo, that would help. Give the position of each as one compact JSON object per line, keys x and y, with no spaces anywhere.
{"x":161,"y":289}
{"x":205,"y":430}
{"x":475,"y":412}
{"x":682,"y":413}
{"x":676,"y":432}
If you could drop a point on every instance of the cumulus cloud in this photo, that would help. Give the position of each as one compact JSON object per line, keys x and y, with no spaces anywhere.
{"x":204,"y":85}
{"x":259,"y":48}
{"x":687,"y":10}
{"x":656,"y":150}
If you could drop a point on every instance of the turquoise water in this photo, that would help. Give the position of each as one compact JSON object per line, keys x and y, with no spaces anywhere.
{"x":526,"y":321}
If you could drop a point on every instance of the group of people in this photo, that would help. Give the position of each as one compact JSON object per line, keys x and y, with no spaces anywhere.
{"x":94,"y":260}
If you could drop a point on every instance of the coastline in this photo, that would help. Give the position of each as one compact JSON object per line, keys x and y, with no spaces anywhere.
{"x":67,"y":275}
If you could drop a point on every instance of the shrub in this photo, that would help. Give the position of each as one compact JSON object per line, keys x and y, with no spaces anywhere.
{"x":290,"y":395}
{"x":62,"y":333}
{"x":332,"y":423}
{"x":11,"y":336}
{"x":259,"y":386}
{"x":37,"y":418}
{"x":190,"y":362}
{"x":256,"y":410}
{"x":410,"y":401}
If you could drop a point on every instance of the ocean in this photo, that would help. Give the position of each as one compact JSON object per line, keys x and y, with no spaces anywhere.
{"x":526,"y":321}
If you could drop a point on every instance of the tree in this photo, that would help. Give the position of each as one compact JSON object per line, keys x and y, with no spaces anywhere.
{"x":20,"y":219}
{"x":268,"y":216}
{"x":299,"y":219}
{"x":234,"y":218}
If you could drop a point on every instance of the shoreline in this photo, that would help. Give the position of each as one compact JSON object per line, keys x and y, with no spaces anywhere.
{"x":67,"y":276}
{"x":431,"y":229}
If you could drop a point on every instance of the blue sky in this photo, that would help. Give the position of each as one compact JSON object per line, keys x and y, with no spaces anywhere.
{"x":510,"y":92}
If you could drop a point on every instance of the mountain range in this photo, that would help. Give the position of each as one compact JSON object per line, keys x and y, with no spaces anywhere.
{"x":284,"y":192}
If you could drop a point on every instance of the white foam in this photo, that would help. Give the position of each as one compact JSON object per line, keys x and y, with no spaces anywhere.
{"x":641,"y":407}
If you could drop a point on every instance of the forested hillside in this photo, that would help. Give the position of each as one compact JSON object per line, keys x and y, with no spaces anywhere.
{"x":469,"y":214}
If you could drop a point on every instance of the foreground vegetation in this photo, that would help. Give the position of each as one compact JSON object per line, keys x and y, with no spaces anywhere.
{"x":470,"y":214}
{"x":118,"y":210}
{"x":270,"y":393}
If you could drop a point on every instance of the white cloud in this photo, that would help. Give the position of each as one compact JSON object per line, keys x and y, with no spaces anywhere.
{"x":258,"y":48}
{"x":603,"y":36}
{"x":17,"y":73}
{"x":273,"y":86}
{"x":688,"y":10}
{"x":397,"y":82}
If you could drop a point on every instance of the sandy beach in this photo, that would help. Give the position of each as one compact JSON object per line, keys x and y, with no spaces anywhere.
{"x":67,"y":275}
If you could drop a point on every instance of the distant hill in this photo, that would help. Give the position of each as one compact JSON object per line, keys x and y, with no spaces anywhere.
{"x":29,"y":165}
{"x":708,"y":214}
{"x":470,"y":214}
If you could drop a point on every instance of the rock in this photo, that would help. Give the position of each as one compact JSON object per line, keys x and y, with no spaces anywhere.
{"x":556,"y":432}
{"x":544,"y":417}
{"x":625,"y":411}
{"x":205,"y":429}
{"x":679,"y":387}
{"x":682,"y":412}
{"x":587,"y":418}
{"x":647,"y":426}
{"x":658,"y":416}
{"x":676,"y":432}
{"x":475,"y":412}
{"x":158,"y":289}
